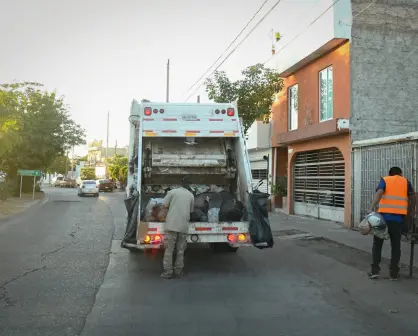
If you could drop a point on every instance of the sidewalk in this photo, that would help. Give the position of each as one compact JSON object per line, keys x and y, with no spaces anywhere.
{"x":335,"y":232}
{"x":15,"y":205}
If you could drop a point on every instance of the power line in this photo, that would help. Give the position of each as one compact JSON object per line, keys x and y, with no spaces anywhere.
{"x":300,"y":33}
{"x":236,"y":47}
{"x":316,"y":19}
{"x":230,"y":45}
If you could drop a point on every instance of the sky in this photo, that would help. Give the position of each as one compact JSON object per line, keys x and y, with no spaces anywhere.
{"x":101,"y":54}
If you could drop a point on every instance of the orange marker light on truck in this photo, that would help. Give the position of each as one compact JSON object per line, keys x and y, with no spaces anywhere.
{"x":241,"y":237}
{"x":147,"y":239}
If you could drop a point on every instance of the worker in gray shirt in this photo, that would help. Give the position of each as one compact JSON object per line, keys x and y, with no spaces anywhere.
{"x":180,"y":203}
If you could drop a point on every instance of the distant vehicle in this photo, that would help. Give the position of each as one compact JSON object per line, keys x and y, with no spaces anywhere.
{"x":88,"y":187}
{"x":57,"y":181}
{"x":105,"y":185}
{"x":68,"y":183}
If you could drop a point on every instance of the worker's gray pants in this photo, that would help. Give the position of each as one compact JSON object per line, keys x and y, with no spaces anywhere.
{"x":174,"y":241}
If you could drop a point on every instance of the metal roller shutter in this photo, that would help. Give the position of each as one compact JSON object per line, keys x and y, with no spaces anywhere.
{"x":319,"y":184}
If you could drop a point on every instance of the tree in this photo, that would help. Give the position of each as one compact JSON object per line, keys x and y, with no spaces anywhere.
{"x":80,"y":159}
{"x":118,"y":168}
{"x":88,"y":173}
{"x":145,"y":101}
{"x":59,"y":165}
{"x":254,"y":93}
{"x":39,"y":124}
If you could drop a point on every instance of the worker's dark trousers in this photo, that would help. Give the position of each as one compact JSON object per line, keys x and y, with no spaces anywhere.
{"x":395,"y":233}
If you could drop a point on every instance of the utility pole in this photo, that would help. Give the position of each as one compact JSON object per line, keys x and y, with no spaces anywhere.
{"x":107,"y":135}
{"x":168,"y":81}
{"x":72,"y":165}
{"x":116,"y":146}
{"x":107,"y":145}
{"x":198,"y":99}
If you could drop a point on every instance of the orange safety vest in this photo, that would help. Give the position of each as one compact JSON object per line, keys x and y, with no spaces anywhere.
{"x":395,"y":198}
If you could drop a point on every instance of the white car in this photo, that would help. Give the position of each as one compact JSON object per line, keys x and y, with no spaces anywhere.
{"x":88,"y":187}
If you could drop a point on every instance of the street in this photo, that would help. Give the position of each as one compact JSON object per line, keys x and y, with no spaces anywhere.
{"x":63,"y":273}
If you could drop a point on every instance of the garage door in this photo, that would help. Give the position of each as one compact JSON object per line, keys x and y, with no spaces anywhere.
{"x":319,"y":184}
{"x":259,"y":172}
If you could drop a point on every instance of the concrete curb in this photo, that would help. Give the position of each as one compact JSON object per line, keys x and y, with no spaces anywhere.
{"x":39,"y":204}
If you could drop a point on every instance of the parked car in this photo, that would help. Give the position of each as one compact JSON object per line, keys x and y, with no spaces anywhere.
{"x":88,"y":187}
{"x":105,"y":185}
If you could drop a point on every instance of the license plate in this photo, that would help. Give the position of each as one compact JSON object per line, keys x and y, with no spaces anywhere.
{"x":106,"y":187}
{"x":189,"y":117}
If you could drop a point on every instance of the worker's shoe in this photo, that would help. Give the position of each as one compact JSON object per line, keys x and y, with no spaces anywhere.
{"x":178,"y":274}
{"x":166,"y":275}
{"x":374,"y":275}
{"x":394,"y":274}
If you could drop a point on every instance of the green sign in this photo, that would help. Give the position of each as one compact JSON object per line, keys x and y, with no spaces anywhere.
{"x":24,"y":172}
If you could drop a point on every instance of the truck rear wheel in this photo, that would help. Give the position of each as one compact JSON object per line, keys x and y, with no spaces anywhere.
{"x":223,"y":248}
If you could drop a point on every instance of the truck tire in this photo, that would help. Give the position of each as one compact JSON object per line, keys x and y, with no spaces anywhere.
{"x":223,"y":248}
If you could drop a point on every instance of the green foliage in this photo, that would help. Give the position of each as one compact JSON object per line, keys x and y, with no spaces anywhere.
{"x":35,"y":128}
{"x":254,"y":93}
{"x":278,"y":190}
{"x":118,"y":168}
{"x":88,"y":173}
{"x":81,"y":158}
{"x":60,"y":165}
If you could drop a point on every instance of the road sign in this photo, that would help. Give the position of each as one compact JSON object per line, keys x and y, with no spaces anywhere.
{"x":24,"y":172}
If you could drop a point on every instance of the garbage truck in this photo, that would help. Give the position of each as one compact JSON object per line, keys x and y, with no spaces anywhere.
{"x":206,"y":142}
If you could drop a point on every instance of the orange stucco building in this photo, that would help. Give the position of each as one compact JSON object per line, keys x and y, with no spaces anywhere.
{"x":311,"y":141}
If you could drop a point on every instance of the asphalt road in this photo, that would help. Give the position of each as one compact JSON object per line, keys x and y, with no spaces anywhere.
{"x":62,"y":272}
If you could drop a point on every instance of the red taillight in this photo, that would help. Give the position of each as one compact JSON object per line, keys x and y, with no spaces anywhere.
{"x":147,"y":111}
{"x":157,"y":238}
{"x":231,"y":238}
{"x":161,"y":110}
{"x":231,"y":112}
{"x":223,"y":111}
{"x":155,"y":111}
{"x":217,"y":111}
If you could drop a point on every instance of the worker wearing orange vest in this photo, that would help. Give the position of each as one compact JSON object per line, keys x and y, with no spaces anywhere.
{"x":392,"y":197}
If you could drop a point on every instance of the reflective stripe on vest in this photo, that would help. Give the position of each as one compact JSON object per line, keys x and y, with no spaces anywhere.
{"x":395,"y":198}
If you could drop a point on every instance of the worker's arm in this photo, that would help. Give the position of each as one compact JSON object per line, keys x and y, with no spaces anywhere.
{"x":380,"y":190}
{"x":192,"y":205}
{"x":412,"y":199}
{"x":167,"y":200}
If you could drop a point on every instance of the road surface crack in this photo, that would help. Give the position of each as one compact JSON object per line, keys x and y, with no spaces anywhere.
{"x":44,"y":255}
{"x":4,"y":295}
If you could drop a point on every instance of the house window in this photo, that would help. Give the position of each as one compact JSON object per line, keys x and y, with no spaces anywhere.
{"x":325,"y":94}
{"x":293,"y":107}
{"x":259,"y":174}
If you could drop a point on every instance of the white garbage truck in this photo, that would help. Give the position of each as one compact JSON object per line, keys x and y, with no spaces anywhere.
{"x":206,"y":142}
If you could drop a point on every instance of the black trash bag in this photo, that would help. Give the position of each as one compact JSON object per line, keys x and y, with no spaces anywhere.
{"x":260,"y":231}
{"x":131,"y":204}
{"x":196,"y":215}
{"x":231,"y":211}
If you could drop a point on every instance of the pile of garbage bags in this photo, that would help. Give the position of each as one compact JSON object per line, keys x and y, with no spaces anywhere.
{"x":211,"y":207}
